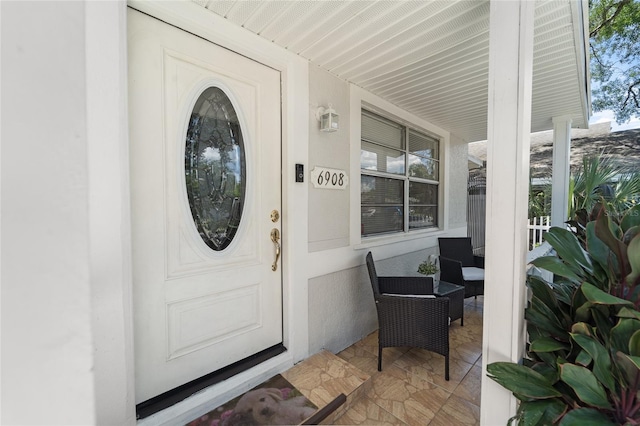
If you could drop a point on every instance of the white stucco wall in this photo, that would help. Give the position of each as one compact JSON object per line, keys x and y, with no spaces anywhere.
{"x":66,"y":340}
{"x":47,"y":350}
{"x":457,"y":183}
{"x":341,"y":310}
{"x":328,"y":208}
{"x":341,"y":307}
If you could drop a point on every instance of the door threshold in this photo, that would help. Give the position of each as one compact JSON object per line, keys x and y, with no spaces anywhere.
{"x":181,"y":393}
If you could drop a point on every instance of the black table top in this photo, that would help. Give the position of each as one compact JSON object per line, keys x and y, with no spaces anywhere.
{"x":443,"y":288}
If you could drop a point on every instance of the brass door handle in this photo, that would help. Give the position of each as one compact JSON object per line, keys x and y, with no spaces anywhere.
{"x":275,"y":237}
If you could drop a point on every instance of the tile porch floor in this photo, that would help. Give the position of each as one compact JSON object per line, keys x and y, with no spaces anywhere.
{"x":410,"y":390}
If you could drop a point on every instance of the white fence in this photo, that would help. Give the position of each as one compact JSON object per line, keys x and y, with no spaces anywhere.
{"x":537,"y":226}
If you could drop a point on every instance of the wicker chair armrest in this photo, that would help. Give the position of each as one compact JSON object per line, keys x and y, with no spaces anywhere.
{"x":406,"y":285}
{"x":478,"y":261}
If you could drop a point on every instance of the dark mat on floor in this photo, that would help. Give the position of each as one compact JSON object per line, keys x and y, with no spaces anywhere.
{"x":274,"y":402}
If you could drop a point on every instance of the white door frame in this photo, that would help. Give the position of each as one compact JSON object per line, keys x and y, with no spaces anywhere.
{"x":108,"y":74}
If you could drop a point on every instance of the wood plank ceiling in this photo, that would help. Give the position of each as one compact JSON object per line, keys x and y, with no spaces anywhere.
{"x":428,"y":57}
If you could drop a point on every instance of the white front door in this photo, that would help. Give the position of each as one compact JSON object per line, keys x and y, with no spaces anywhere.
{"x":205,"y":179}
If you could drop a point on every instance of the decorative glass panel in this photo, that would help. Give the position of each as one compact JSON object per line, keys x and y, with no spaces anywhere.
{"x":215,"y":168}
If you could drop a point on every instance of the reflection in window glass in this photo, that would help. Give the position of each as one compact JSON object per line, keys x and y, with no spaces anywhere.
{"x":423,"y":205}
{"x":215,"y":168}
{"x":381,"y":159}
{"x":424,"y":168}
{"x":396,"y":160}
{"x":382,"y":205}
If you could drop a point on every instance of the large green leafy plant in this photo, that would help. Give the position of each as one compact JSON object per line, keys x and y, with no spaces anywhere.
{"x":582,"y":364}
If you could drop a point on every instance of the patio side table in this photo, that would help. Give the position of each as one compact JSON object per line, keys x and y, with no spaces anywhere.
{"x":455,"y":293}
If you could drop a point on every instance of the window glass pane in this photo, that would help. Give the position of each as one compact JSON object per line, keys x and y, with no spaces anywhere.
{"x":422,"y":145}
{"x":382,"y":131}
{"x":215,"y":168}
{"x":381,"y":159}
{"x":382,"y":205}
{"x":423,"y":217}
{"x":423,"y":205}
{"x":377,"y":190}
{"x":424,"y":168}
{"x":423,"y":193}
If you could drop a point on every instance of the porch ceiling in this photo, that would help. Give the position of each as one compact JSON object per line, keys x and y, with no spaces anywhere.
{"x":430,"y":58}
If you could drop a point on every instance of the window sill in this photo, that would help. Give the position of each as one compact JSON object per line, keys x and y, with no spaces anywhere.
{"x":381,"y":240}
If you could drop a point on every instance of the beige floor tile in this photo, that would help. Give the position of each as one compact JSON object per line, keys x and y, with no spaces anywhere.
{"x":429,"y":366}
{"x":470,"y":387}
{"x":411,"y":389}
{"x":468,"y":352}
{"x":366,"y":412}
{"x":406,"y":396}
{"x":361,"y":359}
{"x":457,"y":411}
{"x":324,"y":376}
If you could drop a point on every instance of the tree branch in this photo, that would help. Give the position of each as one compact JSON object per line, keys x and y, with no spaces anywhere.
{"x":607,"y":21}
{"x":632,"y":94}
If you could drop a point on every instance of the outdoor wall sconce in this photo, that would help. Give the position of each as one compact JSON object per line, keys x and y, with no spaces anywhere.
{"x":329,"y":120}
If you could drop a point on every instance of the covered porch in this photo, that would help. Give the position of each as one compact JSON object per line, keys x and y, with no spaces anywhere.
{"x":460,"y":70}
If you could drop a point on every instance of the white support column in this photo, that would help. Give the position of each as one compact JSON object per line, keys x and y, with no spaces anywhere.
{"x":561,"y":163}
{"x":508,"y":134}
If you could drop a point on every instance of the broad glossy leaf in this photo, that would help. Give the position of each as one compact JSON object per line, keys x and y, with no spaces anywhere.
{"x":630,"y":234}
{"x":569,"y":249}
{"x":598,"y":250}
{"x":544,"y":322}
{"x":582,"y":328}
{"x":550,"y":373}
{"x":585,"y":417}
{"x":583,"y":313}
{"x":599,"y":297}
{"x":600,"y":356}
{"x":603,"y":231}
{"x":548,"y":344}
{"x":521,"y":380}
{"x":628,"y":313}
{"x":628,"y":367}
{"x":633,"y":251}
{"x":543,"y":291}
{"x":631,"y":218}
{"x":622,"y":332}
{"x":584,"y":359}
{"x":585,"y":384}
{"x":634,"y":344}
{"x":603,"y":323}
{"x":531,"y":413}
{"x":556,"y":266}
{"x":553,"y":314}
{"x":564,"y":291}
{"x":541,"y":412}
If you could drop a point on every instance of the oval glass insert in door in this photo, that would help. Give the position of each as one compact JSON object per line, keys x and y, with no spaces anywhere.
{"x":215,"y":168}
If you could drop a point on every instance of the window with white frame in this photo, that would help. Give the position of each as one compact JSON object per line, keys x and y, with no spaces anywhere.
{"x":400,"y":172}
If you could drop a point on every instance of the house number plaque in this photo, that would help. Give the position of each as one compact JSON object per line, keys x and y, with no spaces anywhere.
{"x":326,"y":178}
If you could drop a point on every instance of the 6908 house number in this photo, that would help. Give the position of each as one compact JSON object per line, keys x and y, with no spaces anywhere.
{"x":323,"y":177}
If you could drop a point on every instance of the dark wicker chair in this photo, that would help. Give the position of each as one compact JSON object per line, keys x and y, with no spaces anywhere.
{"x":419,"y":321}
{"x":458,"y":265}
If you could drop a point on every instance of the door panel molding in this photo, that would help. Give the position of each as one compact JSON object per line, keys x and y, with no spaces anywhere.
{"x":295,"y":103}
{"x":221,"y":306}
